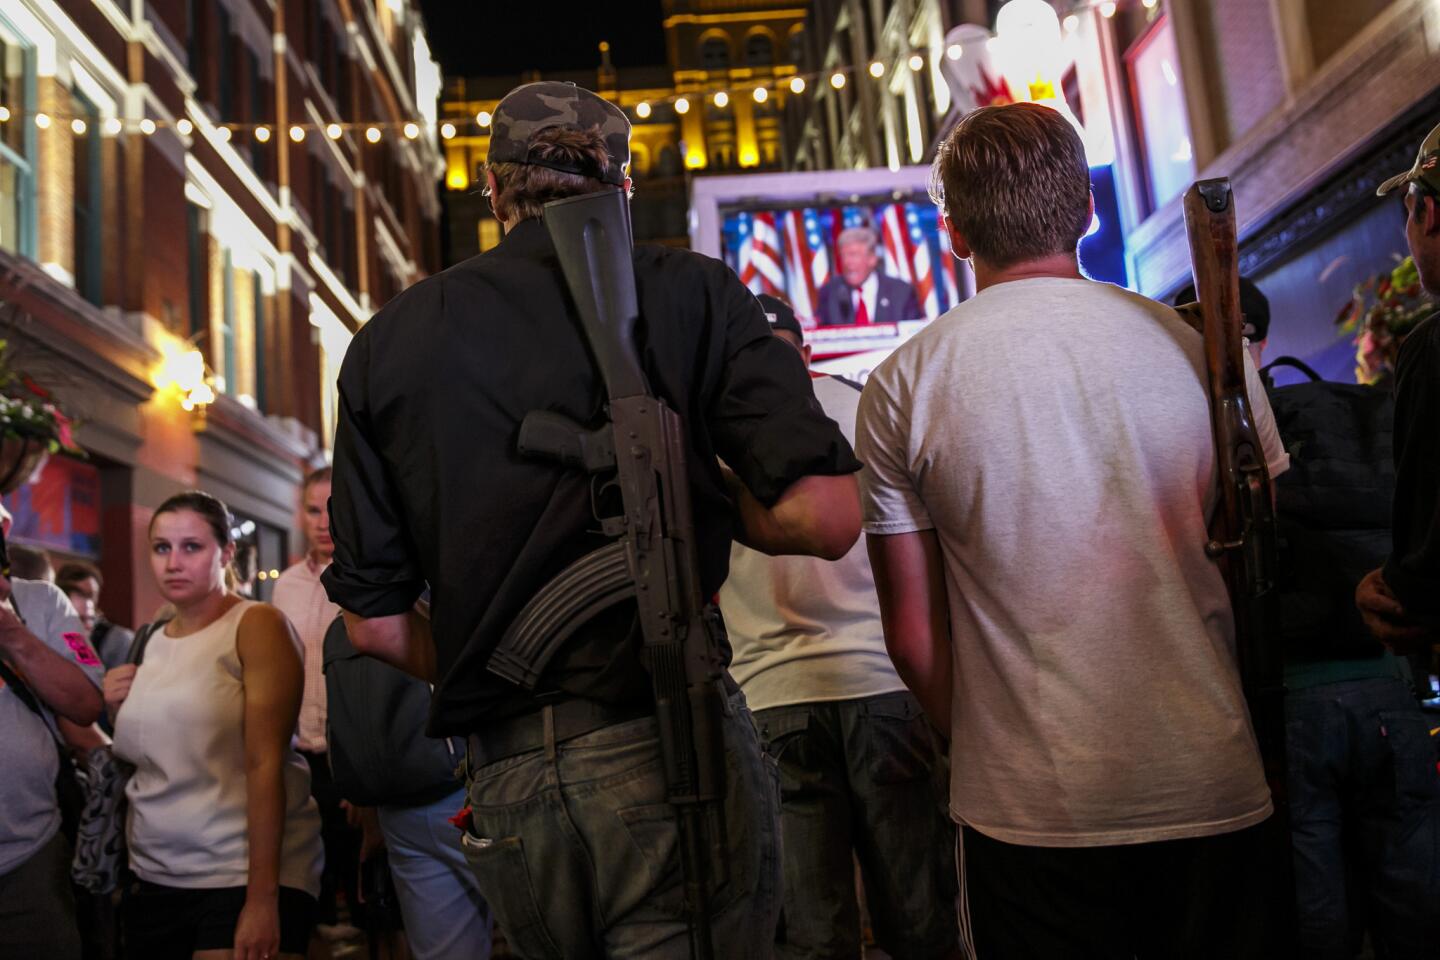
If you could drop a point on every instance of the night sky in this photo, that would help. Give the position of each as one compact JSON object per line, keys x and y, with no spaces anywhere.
{"x":499,"y":37}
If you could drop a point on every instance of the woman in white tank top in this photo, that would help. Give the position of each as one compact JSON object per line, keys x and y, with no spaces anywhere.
{"x":223,"y":835}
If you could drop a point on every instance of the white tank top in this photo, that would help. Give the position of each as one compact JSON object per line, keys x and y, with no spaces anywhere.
{"x":182,"y":728}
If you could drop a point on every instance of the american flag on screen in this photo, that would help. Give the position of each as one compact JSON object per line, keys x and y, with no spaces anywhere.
{"x":807,"y":261}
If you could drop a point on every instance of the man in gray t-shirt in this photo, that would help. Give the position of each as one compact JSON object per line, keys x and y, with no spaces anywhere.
{"x":50,"y":672}
{"x":1039,"y":479}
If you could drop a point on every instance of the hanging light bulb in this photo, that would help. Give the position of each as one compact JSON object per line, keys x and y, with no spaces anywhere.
{"x":837,"y":79}
{"x":877,"y":69}
{"x":412,"y":130}
{"x":42,"y":120}
{"x":447,"y":130}
{"x":4,"y":113}
{"x":1149,"y":4}
{"x":147,"y":126}
{"x":373,"y":134}
{"x":1072,"y":23}
{"x":797,"y":84}
{"x":917,"y":62}
{"x":722,"y":99}
{"x":761,"y":94}
{"x":184,"y":126}
{"x":333,"y":131}
{"x":297,"y":133}
{"x":483,"y":118}
{"x":112,"y":126}
{"x":682,"y":105}
{"x":78,"y":127}
{"x":225,"y":133}
{"x":954,"y":51}
{"x":262,"y":134}
{"x":1107,"y":9}
{"x":642,"y":110}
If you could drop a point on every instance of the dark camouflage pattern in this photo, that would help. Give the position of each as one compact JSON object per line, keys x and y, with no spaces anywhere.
{"x":1426,"y":170}
{"x":533,"y":107}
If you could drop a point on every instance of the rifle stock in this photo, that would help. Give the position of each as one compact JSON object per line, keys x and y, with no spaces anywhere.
{"x":654,"y":559}
{"x":1244,"y":537}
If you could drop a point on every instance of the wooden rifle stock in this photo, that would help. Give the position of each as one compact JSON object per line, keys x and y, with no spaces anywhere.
{"x":1244,"y":538}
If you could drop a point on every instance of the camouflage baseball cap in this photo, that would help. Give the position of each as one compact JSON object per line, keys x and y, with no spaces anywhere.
{"x":533,"y":107}
{"x":1426,"y":170}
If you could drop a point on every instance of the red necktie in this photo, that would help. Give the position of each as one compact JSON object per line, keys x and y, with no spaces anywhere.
{"x":862,"y":315}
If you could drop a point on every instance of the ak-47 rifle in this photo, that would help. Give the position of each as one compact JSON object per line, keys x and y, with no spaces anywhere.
{"x":653,"y":560}
{"x":1244,"y":537}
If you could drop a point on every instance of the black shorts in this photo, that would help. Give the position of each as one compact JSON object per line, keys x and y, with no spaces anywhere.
{"x":163,"y":922}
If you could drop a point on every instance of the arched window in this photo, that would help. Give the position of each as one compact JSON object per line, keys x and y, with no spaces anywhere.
{"x":797,"y":47}
{"x":668,"y":164}
{"x":715,"y":54}
{"x":759,"y":51}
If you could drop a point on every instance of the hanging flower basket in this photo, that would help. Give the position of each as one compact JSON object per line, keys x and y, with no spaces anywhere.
{"x":21,"y":458}
{"x":32,"y":427}
{"x":1380,"y":313}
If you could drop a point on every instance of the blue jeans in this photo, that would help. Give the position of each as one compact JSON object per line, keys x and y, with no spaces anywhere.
{"x":577,"y":850}
{"x":1365,"y":820}
{"x":863,"y":778}
{"x":445,"y":916}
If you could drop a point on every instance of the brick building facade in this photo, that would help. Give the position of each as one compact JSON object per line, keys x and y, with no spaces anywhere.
{"x":188,"y":176}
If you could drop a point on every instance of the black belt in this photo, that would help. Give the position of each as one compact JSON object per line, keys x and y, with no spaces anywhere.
{"x":554,"y":723}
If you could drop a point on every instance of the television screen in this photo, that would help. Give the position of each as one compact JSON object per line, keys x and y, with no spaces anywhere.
{"x":860,"y":275}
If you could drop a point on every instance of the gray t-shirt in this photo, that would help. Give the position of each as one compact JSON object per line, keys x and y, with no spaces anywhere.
{"x":805,"y":630}
{"x":1056,"y":436}
{"x":29,"y":812}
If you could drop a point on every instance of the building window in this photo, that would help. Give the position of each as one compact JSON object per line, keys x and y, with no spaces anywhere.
{"x":797,"y":47}
{"x":715,"y":54}
{"x":17,"y":145}
{"x":195,"y":251}
{"x":759,"y":51}
{"x":225,"y":69}
{"x":1162,"y":128}
{"x":258,"y":298}
{"x":227,"y":324}
{"x":88,"y":206}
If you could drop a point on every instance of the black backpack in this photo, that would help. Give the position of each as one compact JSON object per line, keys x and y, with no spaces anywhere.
{"x":379,"y":754}
{"x":1333,"y":510}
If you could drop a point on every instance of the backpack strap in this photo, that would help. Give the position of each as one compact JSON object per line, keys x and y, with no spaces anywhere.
{"x":142,"y":640}
{"x":1294,"y":362}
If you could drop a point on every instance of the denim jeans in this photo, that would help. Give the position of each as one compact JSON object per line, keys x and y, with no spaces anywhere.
{"x":1365,"y":820}
{"x":863,"y":778}
{"x":445,"y":916}
{"x":578,"y":852}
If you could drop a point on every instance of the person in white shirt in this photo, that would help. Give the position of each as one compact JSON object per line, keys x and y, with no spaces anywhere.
{"x":1039,"y":479}
{"x":299,"y":595}
{"x":861,"y":772}
{"x":222,"y":833}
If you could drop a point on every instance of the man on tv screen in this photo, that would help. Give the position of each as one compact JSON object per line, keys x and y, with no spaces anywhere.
{"x":860,"y":294}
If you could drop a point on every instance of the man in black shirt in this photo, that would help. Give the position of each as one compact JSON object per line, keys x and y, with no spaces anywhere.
{"x":572,"y":840}
{"x":1401,"y":601}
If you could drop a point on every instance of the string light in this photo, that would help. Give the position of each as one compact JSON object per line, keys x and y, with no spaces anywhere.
{"x":1072,"y":23}
{"x":1149,"y":4}
{"x":147,"y":126}
{"x":297,"y":133}
{"x":333,"y":131}
{"x":1107,"y":9}
{"x":917,"y":62}
{"x":837,"y":79}
{"x":483,"y":118}
{"x":761,"y":94}
{"x":78,"y":126}
{"x":373,"y":134}
{"x":954,"y":51}
{"x":4,"y":114}
{"x":262,"y":134}
{"x":412,"y":130}
{"x":722,"y":99}
{"x":225,"y":133}
{"x":797,"y":84}
{"x":184,"y":126}
{"x":877,"y":69}
{"x":447,"y":130}
{"x":42,"y":120}
{"x":682,"y":106}
{"x":642,"y":110}
{"x":112,"y":126}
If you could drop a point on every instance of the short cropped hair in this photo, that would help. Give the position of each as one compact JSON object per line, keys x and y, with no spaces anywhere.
{"x":1014,"y":181}
{"x":523,"y":189}
{"x":76,"y":572}
{"x":318,"y":475}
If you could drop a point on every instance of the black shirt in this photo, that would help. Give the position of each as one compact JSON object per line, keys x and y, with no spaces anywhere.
{"x":428,"y":487}
{"x":1413,"y":570}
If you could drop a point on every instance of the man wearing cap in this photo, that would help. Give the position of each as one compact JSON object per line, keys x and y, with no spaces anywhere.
{"x":1401,"y":601}
{"x":861,"y":775}
{"x":569,"y":831}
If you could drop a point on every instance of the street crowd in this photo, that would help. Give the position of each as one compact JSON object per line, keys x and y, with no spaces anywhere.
{"x":1008,"y":723}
